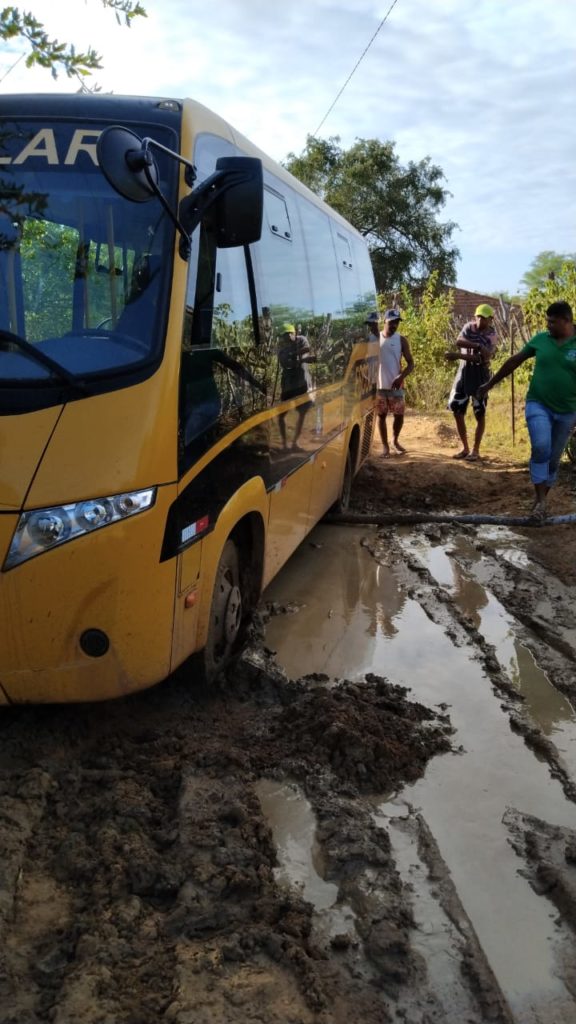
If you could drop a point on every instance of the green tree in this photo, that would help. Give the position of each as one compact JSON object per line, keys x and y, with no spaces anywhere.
{"x":394,"y":207}
{"x":562,"y":287}
{"x":49,"y":53}
{"x":427,"y":322}
{"x":544,"y":267}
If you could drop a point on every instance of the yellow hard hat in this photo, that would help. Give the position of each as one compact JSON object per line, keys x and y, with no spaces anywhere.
{"x":484,"y":310}
{"x":287,"y":329}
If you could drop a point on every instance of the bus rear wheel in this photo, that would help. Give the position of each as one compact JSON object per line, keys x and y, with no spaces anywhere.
{"x":226,"y":614}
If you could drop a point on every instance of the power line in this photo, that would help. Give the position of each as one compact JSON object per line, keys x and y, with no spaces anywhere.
{"x":356,"y":66}
{"x":11,"y":68}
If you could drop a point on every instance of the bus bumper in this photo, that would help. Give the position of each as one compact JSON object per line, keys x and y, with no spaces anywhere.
{"x":91,"y":619}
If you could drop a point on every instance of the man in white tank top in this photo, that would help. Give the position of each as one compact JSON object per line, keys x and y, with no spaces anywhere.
{"x":394,"y":349}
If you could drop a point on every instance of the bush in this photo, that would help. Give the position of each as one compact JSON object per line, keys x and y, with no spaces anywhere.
{"x":427,"y":323}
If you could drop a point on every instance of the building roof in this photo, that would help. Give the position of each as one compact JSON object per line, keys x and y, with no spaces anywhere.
{"x":465,"y":303}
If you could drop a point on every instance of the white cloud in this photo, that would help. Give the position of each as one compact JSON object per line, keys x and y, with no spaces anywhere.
{"x":486,"y":88}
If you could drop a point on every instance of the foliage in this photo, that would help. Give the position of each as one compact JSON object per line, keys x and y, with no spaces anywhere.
{"x":49,"y":53}
{"x":394,"y":207}
{"x":52,"y":257}
{"x":427,"y":323}
{"x":561,"y":288}
{"x":546,"y":266}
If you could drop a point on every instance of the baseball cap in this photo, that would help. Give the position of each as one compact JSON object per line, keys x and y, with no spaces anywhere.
{"x":484,"y":310}
{"x":392,"y":314}
{"x":372,"y":318}
{"x":287,"y":329}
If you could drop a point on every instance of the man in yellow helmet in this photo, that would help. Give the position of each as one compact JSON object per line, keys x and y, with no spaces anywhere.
{"x":475,"y":346}
{"x":294,"y":356}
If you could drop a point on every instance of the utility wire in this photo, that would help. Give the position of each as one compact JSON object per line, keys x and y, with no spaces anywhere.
{"x":356,"y":66}
{"x":11,"y":68}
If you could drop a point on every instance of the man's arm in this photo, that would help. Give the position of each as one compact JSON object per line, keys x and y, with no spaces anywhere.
{"x":408,"y":359}
{"x":465,"y":348}
{"x":305,"y":355}
{"x":508,"y":367}
{"x":232,"y":364}
{"x":466,"y":357}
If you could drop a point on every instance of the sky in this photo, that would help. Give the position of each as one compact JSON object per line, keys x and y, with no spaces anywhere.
{"x":485,"y":88}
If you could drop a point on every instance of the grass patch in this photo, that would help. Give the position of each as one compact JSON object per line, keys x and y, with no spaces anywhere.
{"x":506,"y":439}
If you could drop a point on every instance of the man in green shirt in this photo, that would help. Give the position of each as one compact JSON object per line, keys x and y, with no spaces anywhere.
{"x":551,"y":397}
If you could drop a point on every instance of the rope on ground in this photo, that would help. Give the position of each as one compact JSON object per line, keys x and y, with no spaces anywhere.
{"x":477,"y":519}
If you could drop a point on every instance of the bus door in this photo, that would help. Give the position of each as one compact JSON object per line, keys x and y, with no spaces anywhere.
{"x":223,"y":425}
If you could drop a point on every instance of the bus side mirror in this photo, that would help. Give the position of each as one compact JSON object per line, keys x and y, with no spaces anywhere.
{"x":237,"y":212}
{"x":127,"y":164}
{"x":230,"y":201}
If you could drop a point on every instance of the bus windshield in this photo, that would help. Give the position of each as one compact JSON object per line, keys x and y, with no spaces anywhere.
{"x":83,"y":272}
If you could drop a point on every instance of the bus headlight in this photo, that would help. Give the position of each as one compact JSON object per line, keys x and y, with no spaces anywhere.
{"x":46,"y":528}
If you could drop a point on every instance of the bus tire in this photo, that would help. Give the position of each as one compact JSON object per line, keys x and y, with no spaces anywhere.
{"x":226,"y":614}
{"x":342,"y":503}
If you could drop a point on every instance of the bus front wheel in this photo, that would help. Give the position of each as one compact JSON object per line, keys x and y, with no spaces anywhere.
{"x":226,"y":613}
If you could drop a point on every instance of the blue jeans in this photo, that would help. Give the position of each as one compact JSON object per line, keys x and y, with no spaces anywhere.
{"x":549,"y":432}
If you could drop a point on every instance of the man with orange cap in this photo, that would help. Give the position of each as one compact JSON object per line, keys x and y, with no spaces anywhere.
{"x":475,"y":346}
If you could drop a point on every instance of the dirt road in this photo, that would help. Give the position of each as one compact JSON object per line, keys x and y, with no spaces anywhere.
{"x":387,"y":835}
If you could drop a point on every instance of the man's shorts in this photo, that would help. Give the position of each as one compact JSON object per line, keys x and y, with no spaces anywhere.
{"x":389,"y":401}
{"x":459,"y":398}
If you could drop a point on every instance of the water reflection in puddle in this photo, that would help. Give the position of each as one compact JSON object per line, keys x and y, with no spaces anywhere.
{"x":351,"y":605}
{"x":356,"y":618}
{"x":547,"y":706}
{"x":293,"y":826}
{"x":506,"y":543}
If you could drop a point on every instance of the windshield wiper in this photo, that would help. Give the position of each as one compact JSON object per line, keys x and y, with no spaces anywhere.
{"x":35,"y":353}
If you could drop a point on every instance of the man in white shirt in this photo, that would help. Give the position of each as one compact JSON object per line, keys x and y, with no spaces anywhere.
{"x":394,"y":349}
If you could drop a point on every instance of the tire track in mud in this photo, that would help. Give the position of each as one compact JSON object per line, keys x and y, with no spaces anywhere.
{"x":544,"y":606}
{"x":508,"y":586}
{"x":549,"y":855}
{"x":553,"y":877}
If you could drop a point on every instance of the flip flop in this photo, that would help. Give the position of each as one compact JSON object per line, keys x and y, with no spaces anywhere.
{"x":461,"y":455}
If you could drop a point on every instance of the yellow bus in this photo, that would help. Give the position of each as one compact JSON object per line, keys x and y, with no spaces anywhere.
{"x":186,"y":386}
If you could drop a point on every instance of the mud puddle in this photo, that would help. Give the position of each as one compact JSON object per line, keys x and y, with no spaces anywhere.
{"x":365,"y":606}
{"x":453,"y":569}
{"x":311,"y":850}
{"x":300,"y":863}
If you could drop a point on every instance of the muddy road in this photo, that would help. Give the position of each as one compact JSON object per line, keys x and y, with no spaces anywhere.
{"x":372,"y":817}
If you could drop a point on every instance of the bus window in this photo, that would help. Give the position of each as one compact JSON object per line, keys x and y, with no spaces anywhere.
{"x":325,"y":329}
{"x":280,"y":264}
{"x":83,"y":273}
{"x":348,"y":272}
{"x":276,"y":215}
